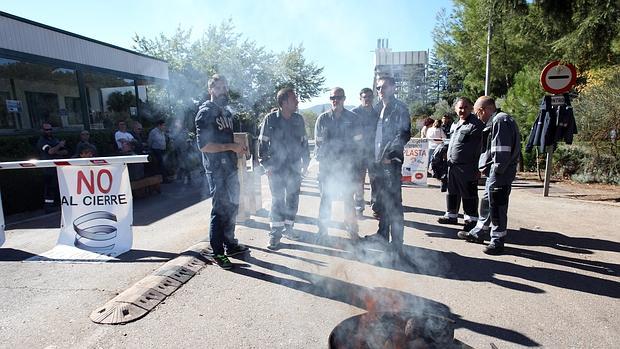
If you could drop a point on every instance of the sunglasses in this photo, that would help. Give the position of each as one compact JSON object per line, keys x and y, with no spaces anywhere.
{"x":47,"y":129}
{"x":336,"y":98}
{"x":379,"y":88}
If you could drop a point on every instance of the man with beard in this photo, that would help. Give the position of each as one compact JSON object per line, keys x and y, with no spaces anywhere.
{"x":214,"y":130}
{"x":367,"y":118}
{"x":499,"y":163}
{"x":337,"y":137}
{"x":393,"y":132}
{"x":463,"y":153}
{"x":283,"y":153}
{"x":49,"y":148}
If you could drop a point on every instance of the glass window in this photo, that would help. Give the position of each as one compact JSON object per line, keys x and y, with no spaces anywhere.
{"x":110,"y":99}
{"x":37,"y":93}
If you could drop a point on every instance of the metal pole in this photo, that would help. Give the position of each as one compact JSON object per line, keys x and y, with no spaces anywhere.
{"x":487,"y":74}
{"x":1,"y":222}
{"x":548,"y":171}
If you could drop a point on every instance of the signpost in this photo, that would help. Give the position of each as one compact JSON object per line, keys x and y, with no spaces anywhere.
{"x":556,"y":78}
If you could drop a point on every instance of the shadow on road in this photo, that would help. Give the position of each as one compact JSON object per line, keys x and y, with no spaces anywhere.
{"x":371,"y":299}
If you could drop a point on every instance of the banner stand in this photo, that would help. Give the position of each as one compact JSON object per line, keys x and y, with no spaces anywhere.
{"x":96,"y":206}
{"x":415,"y":162}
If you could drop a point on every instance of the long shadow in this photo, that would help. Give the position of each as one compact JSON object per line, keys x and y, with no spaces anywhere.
{"x":422,"y":210}
{"x":576,"y":263}
{"x":450,"y":265}
{"x":375,"y":299}
{"x":527,"y":237}
{"x":131,"y":256}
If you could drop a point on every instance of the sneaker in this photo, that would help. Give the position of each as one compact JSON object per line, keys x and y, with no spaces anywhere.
{"x":223,"y":261}
{"x":274,"y":243}
{"x":447,"y":220}
{"x":470,"y":237}
{"x":469,"y":225}
{"x":495,"y":247}
{"x":237,"y":249}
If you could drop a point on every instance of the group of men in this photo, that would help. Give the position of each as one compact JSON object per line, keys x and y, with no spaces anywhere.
{"x":370,"y":138}
{"x":487,"y":143}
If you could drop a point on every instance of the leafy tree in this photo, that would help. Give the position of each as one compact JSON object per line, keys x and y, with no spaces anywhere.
{"x":254,"y":74}
{"x":309,"y":119}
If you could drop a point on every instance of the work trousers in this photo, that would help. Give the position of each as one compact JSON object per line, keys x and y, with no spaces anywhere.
{"x":285,"y":185}
{"x":462,"y":186}
{"x":363,"y":166}
{"x":494,"y":204}
{"x":389,"y":203}
{"x":336,"y":181}
{"x":224,"y":189}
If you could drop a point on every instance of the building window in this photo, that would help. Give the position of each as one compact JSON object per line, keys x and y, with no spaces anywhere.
{"x":37,"y":93}
{"x":110,"y":99}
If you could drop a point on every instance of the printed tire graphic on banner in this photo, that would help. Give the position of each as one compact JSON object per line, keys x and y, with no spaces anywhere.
{"x":91,"y":234}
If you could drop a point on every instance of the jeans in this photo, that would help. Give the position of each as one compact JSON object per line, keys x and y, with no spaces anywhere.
{"x":224,"y":189}
{"x":390,"y":203}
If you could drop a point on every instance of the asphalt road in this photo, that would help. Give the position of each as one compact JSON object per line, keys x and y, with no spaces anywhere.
{"x":557,"y":285}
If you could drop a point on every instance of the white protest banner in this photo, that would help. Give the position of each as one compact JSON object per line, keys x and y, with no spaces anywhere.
{"x":415,"y":164}
{"x":97,"y":210}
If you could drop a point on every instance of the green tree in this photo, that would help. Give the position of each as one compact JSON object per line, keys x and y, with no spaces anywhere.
{"x":254,"y":73}
{"x":309,"y":119}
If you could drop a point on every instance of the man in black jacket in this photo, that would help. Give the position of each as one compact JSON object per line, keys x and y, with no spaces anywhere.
{"x":214,"y":130}
{"x":283,"y":153}
{"x":463,"y":154}
{"x":393,"y":132}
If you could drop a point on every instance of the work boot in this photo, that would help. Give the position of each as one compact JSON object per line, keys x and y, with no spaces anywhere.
{"x":290,"y":233}
{"x":274,"y":243}
{"x":237,"y":249}
{"x":447,"y":220}
{"x":495,"y":247}
{"x":470,"y":236}
{"x":469,"y":225}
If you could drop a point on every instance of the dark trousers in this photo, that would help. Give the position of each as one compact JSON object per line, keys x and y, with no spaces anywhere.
{"x":224,"y":189}
{"x":50,"y":189}
{"x":363,"y":166}
{"x":285,"y":186}
{"x":462,"y":186}
{"x":159,"y":155}
{"x":390,"y":203}
{"x":336,"y":181}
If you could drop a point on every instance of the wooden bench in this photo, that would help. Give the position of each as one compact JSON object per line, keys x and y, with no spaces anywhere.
{"x":145,"y":186}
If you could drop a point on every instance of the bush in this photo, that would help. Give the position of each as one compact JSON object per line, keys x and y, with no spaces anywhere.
{"x":581,"y":164}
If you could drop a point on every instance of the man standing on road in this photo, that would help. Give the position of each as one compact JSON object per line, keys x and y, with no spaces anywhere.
{"x":49,"y":148}
{"x":463,"y":154}
{"x":283,"y":153}
{"x":393,"y":132}
{"x":367,"y":118}
{"x":337,"y":137}
{"x":499,"y":163}
{"x":214,"y":130}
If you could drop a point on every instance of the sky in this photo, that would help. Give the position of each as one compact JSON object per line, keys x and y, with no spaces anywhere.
{"x":339,"y":35}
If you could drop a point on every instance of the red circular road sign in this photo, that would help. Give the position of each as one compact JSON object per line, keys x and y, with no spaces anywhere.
{"x":558,"y":77}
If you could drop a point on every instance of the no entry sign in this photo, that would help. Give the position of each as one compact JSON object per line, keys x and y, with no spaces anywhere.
{"x":558,"y":77}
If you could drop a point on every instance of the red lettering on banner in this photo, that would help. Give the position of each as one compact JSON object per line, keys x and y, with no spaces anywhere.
{"x":90,"y":185}
{"x":81,"y":178}
{"x":109,"y":174}
{"x":415,"y":152}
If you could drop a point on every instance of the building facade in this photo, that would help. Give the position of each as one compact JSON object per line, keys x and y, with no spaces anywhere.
{"x":71,"y":81}
{"x":408,"y":68}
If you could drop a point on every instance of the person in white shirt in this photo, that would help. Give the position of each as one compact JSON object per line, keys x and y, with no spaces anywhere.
{"x":435,"y":135}
{"x":124,"y":140}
